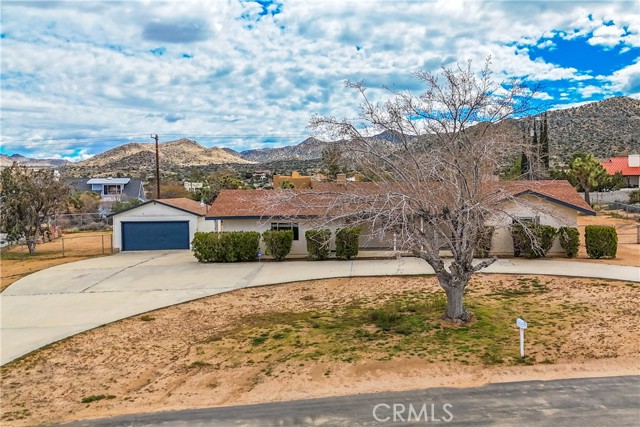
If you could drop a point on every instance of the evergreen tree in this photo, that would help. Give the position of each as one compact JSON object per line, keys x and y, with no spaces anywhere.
{"x":544,"y":143}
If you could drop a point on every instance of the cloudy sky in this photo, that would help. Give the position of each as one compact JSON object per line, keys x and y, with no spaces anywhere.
{"x":80,"y":77}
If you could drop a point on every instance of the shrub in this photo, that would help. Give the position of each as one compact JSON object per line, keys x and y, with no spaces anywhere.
{"x":226,"y":247}
{"x":569,"y":240}
{"x":483,"y":247}
{"x":318,"y":244}
{"x":634,"y":197}
{"x":278,"y":243}
{"x":347,"y":240}
{"x":534,"y":241}
{"x":601,"y":241}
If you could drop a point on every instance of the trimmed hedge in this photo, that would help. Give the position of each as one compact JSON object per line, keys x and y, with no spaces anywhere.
{"x":347,"y":241}
{"x":278,"y":243}
{"x":318,"y":244}
{"x":483,"y":247}
{"x":601,"y":241}
{"x":226,"y":247}
{"x":534,"y":241}
{"x":569,"y":238}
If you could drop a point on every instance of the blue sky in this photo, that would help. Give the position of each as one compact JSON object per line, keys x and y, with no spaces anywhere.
{"x":81,"y":77}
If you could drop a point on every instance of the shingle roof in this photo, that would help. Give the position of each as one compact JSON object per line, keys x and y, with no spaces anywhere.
{"x":620,"y":164}
{"x":270,"y":203}
{"x":185,"y":204}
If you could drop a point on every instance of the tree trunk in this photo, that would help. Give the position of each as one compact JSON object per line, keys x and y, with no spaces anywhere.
{"x":456,"y":311}
{"x":586,"y":196}
{"x":31,"y":245}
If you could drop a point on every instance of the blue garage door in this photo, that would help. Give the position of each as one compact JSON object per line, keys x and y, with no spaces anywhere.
{"x":145,"y":236}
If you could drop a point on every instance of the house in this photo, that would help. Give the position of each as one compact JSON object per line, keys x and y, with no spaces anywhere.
{"x":192,"y":186}
{"x":159,"y":225}
{"x":628,"y":166}
{"x":296,"y":180}
{"x":546,"y":202}
{"x":110,"y":189}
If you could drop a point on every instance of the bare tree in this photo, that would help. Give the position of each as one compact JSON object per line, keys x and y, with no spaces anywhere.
{"x":433,"y":186}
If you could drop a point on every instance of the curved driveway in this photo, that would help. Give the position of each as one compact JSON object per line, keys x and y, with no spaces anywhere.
{"x":61,"y":301}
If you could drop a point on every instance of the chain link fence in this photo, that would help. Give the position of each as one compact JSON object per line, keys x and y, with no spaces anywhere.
{"x":95,"y":221}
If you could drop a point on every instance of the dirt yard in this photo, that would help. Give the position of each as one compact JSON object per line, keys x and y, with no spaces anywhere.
{"x":628,"y":247}
{"x":327,"y":338}
{"x":15,"y":261}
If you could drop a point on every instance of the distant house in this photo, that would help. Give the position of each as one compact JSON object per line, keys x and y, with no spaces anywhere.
{"x":553,"y":203}
{"x":192,"y":186}
{"x":110,"y":189}
{"x":628,"y":166}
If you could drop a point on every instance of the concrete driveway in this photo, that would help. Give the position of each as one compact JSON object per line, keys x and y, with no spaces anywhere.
{"x":61,"y":301}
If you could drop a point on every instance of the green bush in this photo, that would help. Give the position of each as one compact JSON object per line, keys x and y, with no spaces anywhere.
{"x":601,"y":241}
{"x":569,"y":240}
{"x":483,"y":247}
{"x":534,"y":241}
{"x":278,"y":243}
{"x":634,"y":197}
{"x":226,"y":247}
{"x":347,"y":240}
{"x":318,"y":244}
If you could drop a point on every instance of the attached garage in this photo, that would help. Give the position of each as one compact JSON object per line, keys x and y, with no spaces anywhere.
{"x":166,"y":224}
{"x":146,"y":235}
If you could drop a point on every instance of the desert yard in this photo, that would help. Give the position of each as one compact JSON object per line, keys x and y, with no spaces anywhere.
{"x":15,"y":261}
{"x":325,"y":338}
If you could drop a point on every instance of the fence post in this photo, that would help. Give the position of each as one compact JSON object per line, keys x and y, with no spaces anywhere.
{"x":62,"y":240}
{"x":638,"y":235}
{"x":102,"y":235}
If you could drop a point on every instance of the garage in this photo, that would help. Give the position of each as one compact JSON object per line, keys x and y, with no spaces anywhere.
{"x":157,"y":235}
{"x":156,"y":225}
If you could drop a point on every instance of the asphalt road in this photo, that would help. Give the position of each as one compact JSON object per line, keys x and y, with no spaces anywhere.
{"x":612,"y":401}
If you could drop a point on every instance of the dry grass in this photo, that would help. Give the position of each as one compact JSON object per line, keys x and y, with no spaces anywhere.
{"x":323,"y":338}
{"x":15,"y":261}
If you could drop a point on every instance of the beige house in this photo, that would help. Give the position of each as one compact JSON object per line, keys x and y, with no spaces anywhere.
{"x":553,"y":203}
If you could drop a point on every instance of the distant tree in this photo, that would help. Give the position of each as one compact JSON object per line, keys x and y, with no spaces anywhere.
{"x":223,"y":179}
{"x":173,"y":190}
{"x":29,"y":200}
{"x":525,"y":166}
{"x":286,"y":185}
{"x":587,"y":171}
{"x":332,"y":160}
{"x":544,"y":143}
{"x":84,"y":202}
{"x":124,"y":204}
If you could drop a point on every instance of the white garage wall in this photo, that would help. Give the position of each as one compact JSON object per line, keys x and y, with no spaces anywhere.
{"x":154,"y":212}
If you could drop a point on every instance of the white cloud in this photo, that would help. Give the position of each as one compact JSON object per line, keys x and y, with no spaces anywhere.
{"x":86,"y":71}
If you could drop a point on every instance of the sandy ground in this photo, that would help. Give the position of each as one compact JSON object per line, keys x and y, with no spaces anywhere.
{"x":16,"y":263}
{"x":149,"y":365}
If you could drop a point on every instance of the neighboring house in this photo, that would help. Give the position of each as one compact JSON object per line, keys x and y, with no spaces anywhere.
{"x":159,"y":225}
{"x":547,"y":202}
{"x":296,"y":180}
{"x":628,"y":166}
{"x":192,"y":187}
{"x":110,"y":190}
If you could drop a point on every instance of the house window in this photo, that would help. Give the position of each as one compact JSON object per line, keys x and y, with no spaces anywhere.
{"x":527,"y":220}
{"x":279,"y":226}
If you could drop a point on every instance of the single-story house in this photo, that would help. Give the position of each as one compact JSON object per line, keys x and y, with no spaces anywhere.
{"x":159,"y":225}
{"x":628,"y":166}
{"x":554,"y":203}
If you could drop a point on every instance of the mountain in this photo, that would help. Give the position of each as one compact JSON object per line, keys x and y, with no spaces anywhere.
{"x":7,"y":161}
{"x":140,"y":157}
{"x":309,"y":149}
{"x":605,"y":128}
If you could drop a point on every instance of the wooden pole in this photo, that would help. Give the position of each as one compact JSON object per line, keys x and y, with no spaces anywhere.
{"x":157,"y":168}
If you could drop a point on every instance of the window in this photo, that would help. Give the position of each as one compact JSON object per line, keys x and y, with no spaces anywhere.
{"x":527,"y":220}
{"x":280,"y":226}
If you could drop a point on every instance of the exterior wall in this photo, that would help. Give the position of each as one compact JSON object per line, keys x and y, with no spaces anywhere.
{"x":298,"y":247}
{"x":548,"y":212}
{"x":633,"y":181}
{"x":153,"y":212}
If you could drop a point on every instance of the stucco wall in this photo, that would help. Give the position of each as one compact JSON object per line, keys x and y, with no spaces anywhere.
{"x":298,"y":247}
{"x":530,"y":206}
{"x":157,"y":212}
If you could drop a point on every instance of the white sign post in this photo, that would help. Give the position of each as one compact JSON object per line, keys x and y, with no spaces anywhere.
{"x":522,"y":325}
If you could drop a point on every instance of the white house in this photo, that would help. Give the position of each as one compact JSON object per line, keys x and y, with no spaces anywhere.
{"x":159,"y":225}
{"x":553,"y":203}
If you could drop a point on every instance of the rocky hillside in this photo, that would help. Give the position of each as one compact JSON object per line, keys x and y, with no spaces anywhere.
{"x":134,"y":158}
{"x":6,"y":161}
{"x":605,"y":128}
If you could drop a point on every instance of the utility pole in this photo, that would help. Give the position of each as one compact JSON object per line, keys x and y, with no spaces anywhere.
{"x":157,"y":168}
